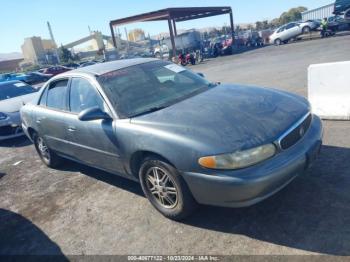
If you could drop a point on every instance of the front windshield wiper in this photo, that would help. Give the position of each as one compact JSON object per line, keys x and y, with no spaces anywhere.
{"x":150,"y":110}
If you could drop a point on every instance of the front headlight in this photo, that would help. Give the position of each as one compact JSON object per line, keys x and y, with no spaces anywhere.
{"x":239,"y":159}
{"x":3,"y":116}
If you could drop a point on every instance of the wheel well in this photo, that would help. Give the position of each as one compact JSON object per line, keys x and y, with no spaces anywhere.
{"x":137,"y":158}
{"x":31,"y":132}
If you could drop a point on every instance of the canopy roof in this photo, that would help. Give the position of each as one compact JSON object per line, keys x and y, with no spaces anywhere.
{"x":177,"y":14}
{"x":173,"y":15}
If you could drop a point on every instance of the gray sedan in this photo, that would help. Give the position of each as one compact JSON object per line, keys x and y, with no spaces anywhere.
{"x":186,"y":140}
{"x":13,"y":94}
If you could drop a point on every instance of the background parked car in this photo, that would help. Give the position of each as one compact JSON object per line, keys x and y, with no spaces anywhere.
{"x":72,"y":65}
{"x":87,"y":64}
{"x":55,"y":70}
{"x":12,"y":77}
{"x":36,"y":77}
{"x":286,"y":32}
{"x":13,"y":95}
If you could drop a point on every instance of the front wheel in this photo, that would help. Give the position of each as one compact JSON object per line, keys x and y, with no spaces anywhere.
{"x":306,"y":30}
{"x":165,"y":189}
{"x":278,"y":41}
{"x":49,"y":158}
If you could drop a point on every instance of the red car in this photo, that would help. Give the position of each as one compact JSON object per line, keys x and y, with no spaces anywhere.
{"x":55,"y":70}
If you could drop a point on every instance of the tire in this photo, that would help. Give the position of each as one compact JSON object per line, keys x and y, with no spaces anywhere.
{"x":278,"y":41}
{"x":306,"y":29}
{"x":166,"y":189}
{"x":46,"y":155}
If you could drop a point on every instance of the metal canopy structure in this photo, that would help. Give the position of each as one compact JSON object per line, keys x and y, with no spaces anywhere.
{"x":173,"y":15}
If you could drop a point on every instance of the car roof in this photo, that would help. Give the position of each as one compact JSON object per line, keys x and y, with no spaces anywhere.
{"x":11,"y":82}
{"x":103,"y":68}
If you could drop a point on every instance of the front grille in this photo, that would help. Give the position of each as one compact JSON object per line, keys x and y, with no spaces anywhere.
{"x":9,"y":130}
{"x":296,"y":134}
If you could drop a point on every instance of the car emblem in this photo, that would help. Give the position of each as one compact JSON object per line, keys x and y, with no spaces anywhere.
{"x":301,"y":131}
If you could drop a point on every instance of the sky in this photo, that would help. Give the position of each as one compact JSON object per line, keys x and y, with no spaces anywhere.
{"x":70,"y":18}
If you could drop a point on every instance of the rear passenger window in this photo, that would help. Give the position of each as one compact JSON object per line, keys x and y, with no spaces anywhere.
{"x":56,"y":97}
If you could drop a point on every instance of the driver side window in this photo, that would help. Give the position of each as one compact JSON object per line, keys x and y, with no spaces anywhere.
{"x":291,"y":25}
{"x":281,"y":29}
{"x":83,"y":95}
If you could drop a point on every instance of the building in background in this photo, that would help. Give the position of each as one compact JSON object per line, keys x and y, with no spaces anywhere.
{"x":39,"y":51}
{"x":10,"y":65}
{"x":318,"y":13}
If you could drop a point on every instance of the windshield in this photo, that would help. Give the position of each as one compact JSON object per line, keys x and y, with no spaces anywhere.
{"x":11,"y":90}
{"x":150,"y":86}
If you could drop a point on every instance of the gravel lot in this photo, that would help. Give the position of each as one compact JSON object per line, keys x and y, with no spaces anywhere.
{"x":80,"y":210}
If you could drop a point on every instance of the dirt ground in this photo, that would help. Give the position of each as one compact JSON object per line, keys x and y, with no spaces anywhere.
{"x":80,"y":210}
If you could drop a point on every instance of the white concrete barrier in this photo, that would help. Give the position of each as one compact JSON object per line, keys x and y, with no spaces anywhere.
{"x":329,"y":90}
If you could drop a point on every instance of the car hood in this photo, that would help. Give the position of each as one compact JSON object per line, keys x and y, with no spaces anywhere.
{"x":14,"y":104}
{"x":228,"y":117}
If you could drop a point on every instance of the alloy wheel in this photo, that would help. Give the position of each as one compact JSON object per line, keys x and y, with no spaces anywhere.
{"x":43,"y":149}
{"x":162,"y":187}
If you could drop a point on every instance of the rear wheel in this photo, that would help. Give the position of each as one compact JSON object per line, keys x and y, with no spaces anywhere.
{"x":47,"y":156}
{"x":165,"y":189}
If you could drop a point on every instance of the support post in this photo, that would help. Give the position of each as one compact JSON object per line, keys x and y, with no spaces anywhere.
{"x":113,"y":35}
{"x":175,"y":31}
{"x":232,"y":26}
{"x":172,"y":37}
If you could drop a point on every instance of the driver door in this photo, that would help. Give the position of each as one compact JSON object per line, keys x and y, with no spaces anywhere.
{"x":292,"y":30}
{"x":92,"y":142}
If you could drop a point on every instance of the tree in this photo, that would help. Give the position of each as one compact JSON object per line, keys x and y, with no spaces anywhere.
{"x":213,"y":32}
{"x":293,"y":14}
{"x":225,"y":30}
{"x":65,"y":54}
{"x":258,"y":25}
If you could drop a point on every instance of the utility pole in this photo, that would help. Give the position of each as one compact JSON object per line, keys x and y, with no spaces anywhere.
{"x":53,"y":41}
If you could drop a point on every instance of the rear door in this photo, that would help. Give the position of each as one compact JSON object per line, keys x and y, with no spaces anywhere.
{"x":51,"y":114}
{"x":93,"y":142}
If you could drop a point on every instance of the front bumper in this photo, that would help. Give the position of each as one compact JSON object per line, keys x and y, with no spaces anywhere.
{"x":11,"y":127}
{"x":251,"y":185}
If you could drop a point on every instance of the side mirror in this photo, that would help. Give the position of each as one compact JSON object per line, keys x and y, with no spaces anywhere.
{"x":201,"y":74}
{"x":93,"y":113}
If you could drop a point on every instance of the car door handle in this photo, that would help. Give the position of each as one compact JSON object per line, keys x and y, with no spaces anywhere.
{"x":72,"y":129}
{"x":38,"y":121}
